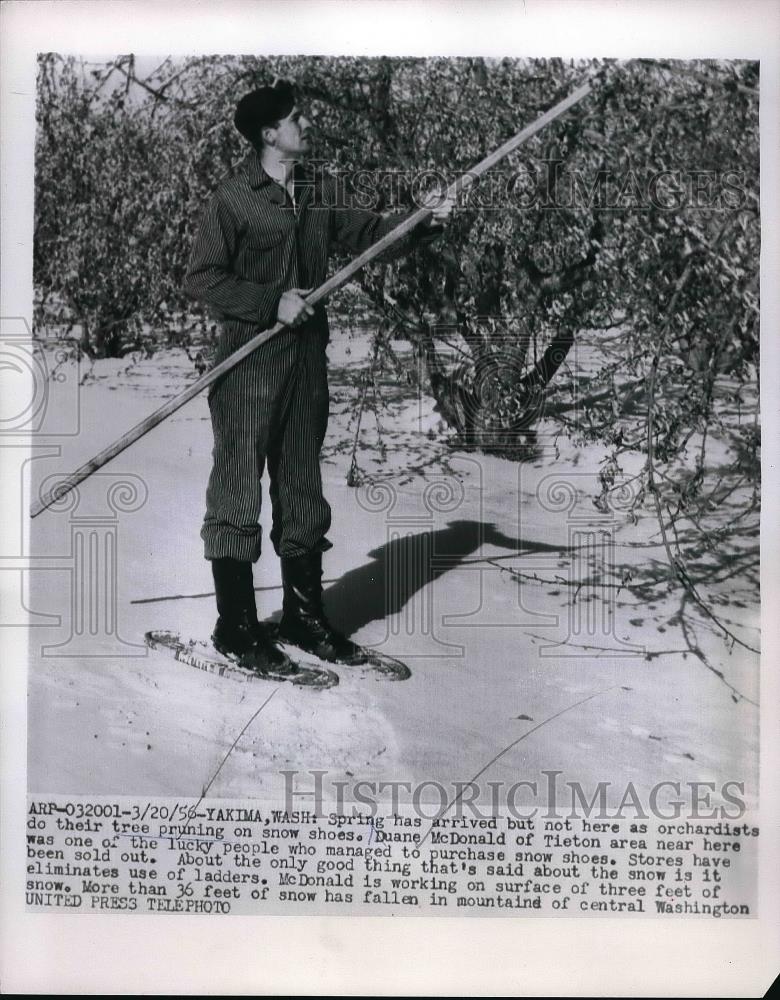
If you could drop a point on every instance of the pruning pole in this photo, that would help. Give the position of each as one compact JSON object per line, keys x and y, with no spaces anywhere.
{"x":341,"y":277}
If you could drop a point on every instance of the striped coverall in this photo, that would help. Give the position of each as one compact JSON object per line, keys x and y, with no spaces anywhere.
{"x":253,"y":244}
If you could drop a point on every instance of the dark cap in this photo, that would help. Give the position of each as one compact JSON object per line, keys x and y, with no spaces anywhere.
{"x":262,"y":107}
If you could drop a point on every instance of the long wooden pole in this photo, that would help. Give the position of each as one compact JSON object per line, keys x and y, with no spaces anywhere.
{"x":340,"y":278}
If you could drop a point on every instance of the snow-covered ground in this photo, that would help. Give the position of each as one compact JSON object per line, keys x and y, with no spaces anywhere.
{"x":435,"y":558}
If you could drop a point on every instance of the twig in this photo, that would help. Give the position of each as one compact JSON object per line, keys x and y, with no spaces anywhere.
{"x":676,"y":565}
{"x":354,"y":471}
{"x":696,"y":651}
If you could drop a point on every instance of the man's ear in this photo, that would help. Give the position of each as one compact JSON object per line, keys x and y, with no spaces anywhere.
{"x":268,"y":135}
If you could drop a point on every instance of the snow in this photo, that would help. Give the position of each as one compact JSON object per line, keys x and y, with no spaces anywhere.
{"x":428,"y":578}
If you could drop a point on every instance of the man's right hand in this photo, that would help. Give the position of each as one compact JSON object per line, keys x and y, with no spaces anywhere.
{"x":292,"y":309}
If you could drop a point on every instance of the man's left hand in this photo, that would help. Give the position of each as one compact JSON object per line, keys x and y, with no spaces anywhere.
{"x":441,"y":205}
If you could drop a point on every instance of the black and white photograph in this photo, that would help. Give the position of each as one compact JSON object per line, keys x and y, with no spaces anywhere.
{"x":382,"y":461}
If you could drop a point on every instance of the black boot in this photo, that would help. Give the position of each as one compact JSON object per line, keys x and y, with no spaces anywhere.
{"x":303,"y":617}
{"x":238,"y":634}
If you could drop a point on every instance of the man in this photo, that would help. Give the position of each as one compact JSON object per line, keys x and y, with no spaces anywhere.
{"x":262,"y":245}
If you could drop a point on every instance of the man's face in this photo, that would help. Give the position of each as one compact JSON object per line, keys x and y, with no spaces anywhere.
{"x":290,"y":135}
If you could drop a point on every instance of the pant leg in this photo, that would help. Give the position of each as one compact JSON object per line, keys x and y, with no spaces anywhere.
{"x":246,"y":407}
{"x":301,"y":514}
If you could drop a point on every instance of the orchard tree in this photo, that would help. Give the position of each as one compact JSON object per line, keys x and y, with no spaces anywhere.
{"x":112,"y":211}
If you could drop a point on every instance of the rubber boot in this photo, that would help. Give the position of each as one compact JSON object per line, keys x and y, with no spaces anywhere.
{"x":304,"y":623}
{"x":238,"y":634}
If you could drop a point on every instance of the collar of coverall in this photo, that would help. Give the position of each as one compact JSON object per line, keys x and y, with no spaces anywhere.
{"x":258,"y":178}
